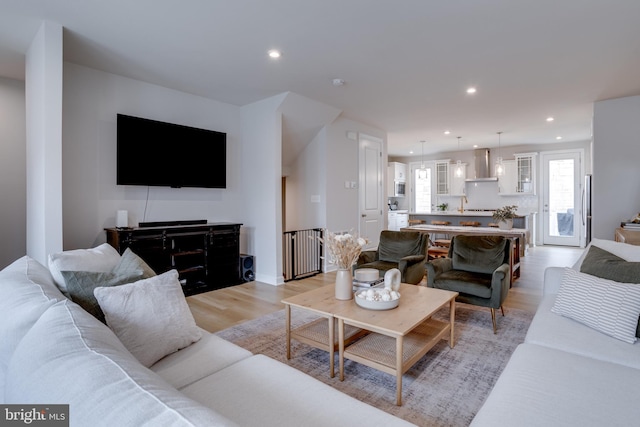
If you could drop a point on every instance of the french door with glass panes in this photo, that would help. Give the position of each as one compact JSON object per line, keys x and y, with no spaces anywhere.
{"x":561,"y":212}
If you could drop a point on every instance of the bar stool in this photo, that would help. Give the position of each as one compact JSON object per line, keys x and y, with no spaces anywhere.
{"x":438,"y":248}
{"x":445,"y":243}
{"x":493,"y":224}
{"x":416,"y":222}
{"x":470,"y":223}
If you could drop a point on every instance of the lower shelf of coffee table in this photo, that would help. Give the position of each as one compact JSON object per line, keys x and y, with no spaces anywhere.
{"x":379,"y":351}
{"x":316,"y":334}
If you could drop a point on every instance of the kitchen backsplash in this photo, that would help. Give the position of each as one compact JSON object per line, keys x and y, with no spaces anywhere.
{"x":480,"y":195}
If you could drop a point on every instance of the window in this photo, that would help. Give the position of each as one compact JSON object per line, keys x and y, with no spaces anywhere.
{"x":422,"y":184}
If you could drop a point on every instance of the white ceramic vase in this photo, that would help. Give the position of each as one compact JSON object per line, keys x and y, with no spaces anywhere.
{"x":344,"y":284}
{"x":507,"y":224}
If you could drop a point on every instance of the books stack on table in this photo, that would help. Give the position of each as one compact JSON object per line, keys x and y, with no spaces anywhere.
{"x":359,"y":284}
{"x":628,"y":225}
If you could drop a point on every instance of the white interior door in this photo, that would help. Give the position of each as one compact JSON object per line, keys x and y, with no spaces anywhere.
{"x":370,"y":194}
{"x":561,"y":211}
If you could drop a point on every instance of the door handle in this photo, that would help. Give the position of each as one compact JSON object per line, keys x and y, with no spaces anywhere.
{"x":364,"y":215}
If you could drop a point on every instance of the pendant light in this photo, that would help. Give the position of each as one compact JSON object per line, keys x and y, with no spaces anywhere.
{"x":499,"y":166}
{"x":458,"y":170}
{"x":422,"y":174}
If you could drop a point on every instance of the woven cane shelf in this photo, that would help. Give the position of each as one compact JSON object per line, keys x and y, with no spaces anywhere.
{"x":379,"y":351}
{"x":316,"y":333}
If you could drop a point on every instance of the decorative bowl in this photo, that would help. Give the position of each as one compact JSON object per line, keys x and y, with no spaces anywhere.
{"x":378,"y":303}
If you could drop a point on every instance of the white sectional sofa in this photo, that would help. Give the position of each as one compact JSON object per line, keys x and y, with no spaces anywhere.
{"x":566,"y":373}
{"x":54,"y":352}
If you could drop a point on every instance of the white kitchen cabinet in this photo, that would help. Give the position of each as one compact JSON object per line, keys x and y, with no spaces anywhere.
{"x":508,"y":182}
{"x":457,"y":182}
{"x":525,"y":173}
{"x":398,"y":171}
{"x":442,"y":177}
{"x":397,"y":220}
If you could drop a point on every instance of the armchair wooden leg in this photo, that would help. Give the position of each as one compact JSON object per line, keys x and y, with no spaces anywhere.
{"x":502,"y":309}
{"x":493,"y":320}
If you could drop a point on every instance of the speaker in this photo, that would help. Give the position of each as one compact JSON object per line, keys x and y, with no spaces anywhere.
{"x":246,"y":268}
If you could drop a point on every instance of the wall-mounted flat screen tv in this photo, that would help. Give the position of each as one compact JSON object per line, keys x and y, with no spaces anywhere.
{"x":163,"y":154}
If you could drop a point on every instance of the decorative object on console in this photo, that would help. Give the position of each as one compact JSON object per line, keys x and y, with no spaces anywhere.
{"x":122,"y":219}
{"x":504,"y":216}
{"x":443,"y":207}
{"x":343,"y":250}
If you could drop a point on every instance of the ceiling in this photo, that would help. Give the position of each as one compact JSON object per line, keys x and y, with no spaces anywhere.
{"x":406,"y":64}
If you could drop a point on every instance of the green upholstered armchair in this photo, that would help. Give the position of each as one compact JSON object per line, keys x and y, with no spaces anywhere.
{"x":404,"y":250}
{"x":477,"y":268}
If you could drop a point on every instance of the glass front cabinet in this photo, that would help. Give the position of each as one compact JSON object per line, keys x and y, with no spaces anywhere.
{"x":525,"y":173}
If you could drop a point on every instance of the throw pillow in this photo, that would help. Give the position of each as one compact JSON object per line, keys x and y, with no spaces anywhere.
{"x":130,"y":262}
{"x":606,"y":265}
{"x":609,"y":307}
{"x":151,"y":316}
{"x":102,"y":258}
{"x":80,"y":286}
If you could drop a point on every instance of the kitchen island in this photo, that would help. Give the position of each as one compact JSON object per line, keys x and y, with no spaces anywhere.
{"x":484,"y":217}
{"x":516,"y":235}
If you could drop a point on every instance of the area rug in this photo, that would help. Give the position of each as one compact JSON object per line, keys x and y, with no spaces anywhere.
{"x":445,"y":388}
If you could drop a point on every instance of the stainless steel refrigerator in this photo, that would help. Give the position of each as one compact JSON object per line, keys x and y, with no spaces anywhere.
{"x":586,"y":208}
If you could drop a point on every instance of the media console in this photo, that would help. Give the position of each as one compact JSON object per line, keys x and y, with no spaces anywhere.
{"x":206,"y":256}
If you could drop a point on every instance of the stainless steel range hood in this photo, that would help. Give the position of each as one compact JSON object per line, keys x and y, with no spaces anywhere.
{"x":482,"y":158}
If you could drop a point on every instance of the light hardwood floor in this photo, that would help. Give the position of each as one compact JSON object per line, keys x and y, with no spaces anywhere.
{"x":223,"y":308}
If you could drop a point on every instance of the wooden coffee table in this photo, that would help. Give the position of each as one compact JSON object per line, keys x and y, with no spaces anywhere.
{"x":321,"y":332}
{"x":399,"y":337}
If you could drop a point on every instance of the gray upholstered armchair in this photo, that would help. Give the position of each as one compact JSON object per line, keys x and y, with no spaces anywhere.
{"x":477,"y":268}
{"x":404,"y":250}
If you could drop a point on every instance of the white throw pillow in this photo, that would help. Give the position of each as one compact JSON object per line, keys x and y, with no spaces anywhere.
{"x":151,"y":316}
{"x":609,"y":307}
{"x":100,"y":259}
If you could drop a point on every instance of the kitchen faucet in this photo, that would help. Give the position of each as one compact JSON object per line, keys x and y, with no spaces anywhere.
{"x":463,"y":200}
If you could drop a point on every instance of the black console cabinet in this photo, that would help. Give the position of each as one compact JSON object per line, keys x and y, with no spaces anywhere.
{"x":206,"y":256}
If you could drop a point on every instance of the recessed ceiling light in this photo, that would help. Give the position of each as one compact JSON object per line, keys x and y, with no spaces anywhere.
{"x":475,"y":145}
{"x":471,"y":90}
{"x":550,"y":119}
{"x":558,"y":137}
{"x":410,"y":151}
{"x":274,"y":54}
{"x":337,"y":82}
{"x":447,"y":132}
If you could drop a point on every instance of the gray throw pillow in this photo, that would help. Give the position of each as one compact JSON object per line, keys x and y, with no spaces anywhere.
{"x":130,"y":262}
{"x":80,"y":286}
{"x":606,"y":265}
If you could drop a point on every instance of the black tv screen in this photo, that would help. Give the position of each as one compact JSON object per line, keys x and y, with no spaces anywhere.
{"x":163,"y":154}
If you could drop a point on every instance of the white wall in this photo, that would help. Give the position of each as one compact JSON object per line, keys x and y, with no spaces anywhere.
{"x":13,"y":187}
{"x":307,"y":179}
{"x":43,"y":93}
{"x":342,"y":165}
{"x":616,"y":167}
{"x":91,"y":197}
{"x":262,"y":172}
